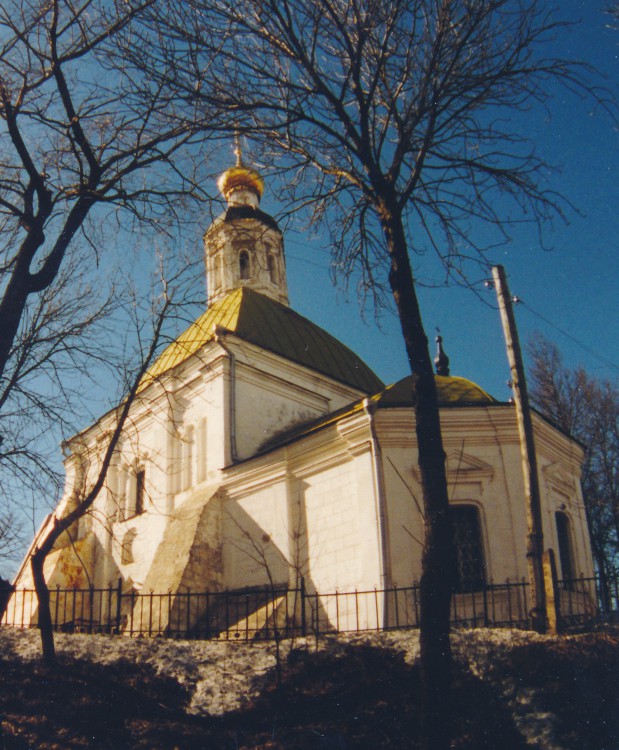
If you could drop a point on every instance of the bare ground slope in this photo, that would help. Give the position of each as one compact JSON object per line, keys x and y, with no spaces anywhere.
{"x":512,"y":690}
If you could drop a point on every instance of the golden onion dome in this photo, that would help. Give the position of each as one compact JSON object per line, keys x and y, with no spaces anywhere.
{"x":241,"y":178}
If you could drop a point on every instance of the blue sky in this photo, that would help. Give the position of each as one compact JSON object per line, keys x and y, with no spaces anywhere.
{"x":569,"y":292}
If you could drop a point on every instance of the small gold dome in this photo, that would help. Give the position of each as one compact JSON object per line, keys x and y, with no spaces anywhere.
{"x":241,"y":178}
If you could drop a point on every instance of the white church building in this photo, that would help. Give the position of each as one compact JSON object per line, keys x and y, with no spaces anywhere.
{"x":261,"y":451}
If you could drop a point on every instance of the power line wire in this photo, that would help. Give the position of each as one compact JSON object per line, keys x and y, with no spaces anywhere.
{"x":304,"y":260}
{"x":588,"y":349}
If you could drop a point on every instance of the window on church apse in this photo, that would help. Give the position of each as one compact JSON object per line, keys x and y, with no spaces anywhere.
{"x":140,"y":488}
{"x":244,"y":264}
{"x":134,"y":503}
{"x":201,"y":451}
{"x":272,"y":268}
{"x":467,"y":536}
{"x":187,"y":467}
{"x":218,"y":272}
{"x":566,"y":552}
{"x":121,"y":493}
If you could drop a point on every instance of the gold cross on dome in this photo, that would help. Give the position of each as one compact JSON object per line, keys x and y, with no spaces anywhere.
{"x":237,"y":148}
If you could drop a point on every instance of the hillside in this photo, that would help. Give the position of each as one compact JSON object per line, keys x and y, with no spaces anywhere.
{"x":513,"y":690}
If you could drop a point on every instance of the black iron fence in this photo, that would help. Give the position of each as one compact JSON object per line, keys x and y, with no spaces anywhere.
{"x":272,"y":612}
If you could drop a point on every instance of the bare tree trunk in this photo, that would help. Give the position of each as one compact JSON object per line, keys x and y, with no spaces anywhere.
{"x":62,"y":524}
{"x":12,"y":306}
{"x":604,"y":589}
{"x":46,"y":629}
{"x":437,"y":575}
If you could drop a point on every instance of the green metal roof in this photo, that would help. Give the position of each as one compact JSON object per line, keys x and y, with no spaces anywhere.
{"x":270,"y":325}
{"x":451,"y":391}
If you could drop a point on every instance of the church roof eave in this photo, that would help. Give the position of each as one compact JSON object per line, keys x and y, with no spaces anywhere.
{"x":234,"y":213}
{"x":270,"y":325}
{"x":453,"y":392}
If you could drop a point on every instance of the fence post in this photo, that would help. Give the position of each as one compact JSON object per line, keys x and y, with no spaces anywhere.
{"x":337,"y":609}
{"x":73,"y":605}
{"x":485,"y":594}
{"x":316,"y":615}
{"x":553,"y":600}
{"x":396,"y":607}
{"x":378,"y":623}
{"x":303,"y":621}
{"x":23,"y":608}
{"x":91,"y":607}
{"x":170,"y":629}
{"x":603,"y":591}
{"x":119,"y":605}
{"x":108,"y":621}
{"x":56,"y":606}
{"x":208,"y":616}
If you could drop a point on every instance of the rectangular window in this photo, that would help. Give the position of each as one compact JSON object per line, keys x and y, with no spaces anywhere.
{"x":201,"y":451}
{"x":466,"y":529}
{"x":175,"y":456}
{"x":123,"y":482}
{"x":187,"y":470}
{"x":140,"y":482}
{"x":566,"y":556}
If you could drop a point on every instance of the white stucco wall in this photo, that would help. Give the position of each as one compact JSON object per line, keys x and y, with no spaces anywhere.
{"x":273,"y":395}
{"x":313,"y":507}
{"x":484,"y":470}
{"x":257,"y":537}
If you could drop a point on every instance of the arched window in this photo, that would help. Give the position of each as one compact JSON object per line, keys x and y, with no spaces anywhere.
{"x":187,"y":470}
{"x":466,"y":529}
{"x":218,"y":271}
{"x":201,"y":451}
{"x":566,"y":553}
{"x":244,"y":264}
{"x":175,"y":456}
{"x":136,"y":493}
{"x":272,"y":268}
{"x":123,"y":499}
{"x":140,"y":490}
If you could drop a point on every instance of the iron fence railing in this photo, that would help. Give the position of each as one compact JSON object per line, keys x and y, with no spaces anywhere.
{"x":273,"y":612}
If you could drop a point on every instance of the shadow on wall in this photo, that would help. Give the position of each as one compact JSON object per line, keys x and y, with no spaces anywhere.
{"x":6,"y":589}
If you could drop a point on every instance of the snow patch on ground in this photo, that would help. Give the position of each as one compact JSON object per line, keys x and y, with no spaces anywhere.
{"x":223,"y":676}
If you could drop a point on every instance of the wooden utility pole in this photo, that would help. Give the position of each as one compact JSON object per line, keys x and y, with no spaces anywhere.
{"x":535,"y":537}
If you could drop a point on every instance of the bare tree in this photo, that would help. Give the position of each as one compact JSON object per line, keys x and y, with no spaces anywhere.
{"x":59,"y":344}
{"x":153,"y":328}
{"x":11,"y":534}
{"x":82,"y":129}
{"x":397,"y":123}
{"x":89,"y":144}
{"x":588,"y":409}
{"x":12,"y":540}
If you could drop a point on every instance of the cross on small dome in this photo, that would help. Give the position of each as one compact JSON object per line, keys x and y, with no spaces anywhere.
{"x":241,"y":185}
{"x":441,"y":361}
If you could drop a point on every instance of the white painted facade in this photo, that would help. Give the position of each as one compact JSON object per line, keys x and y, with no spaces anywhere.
{"x":241,"y":467}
